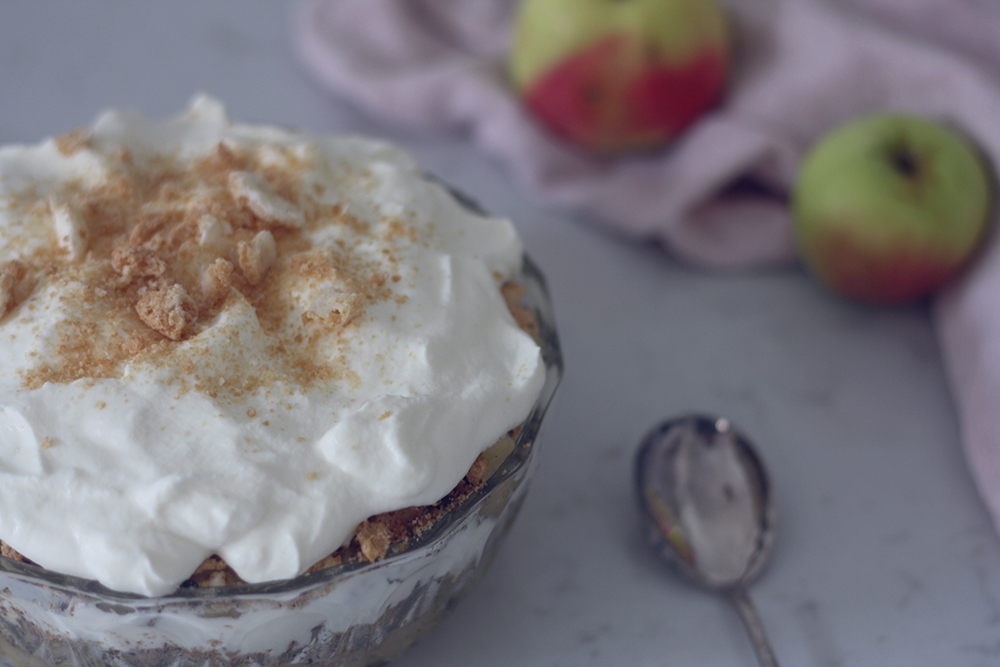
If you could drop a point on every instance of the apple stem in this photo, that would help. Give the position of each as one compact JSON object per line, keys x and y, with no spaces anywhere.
{"x":905,"y":162}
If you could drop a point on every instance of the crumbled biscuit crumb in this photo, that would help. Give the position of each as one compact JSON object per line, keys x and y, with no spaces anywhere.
{"x":168,"y":310}
{"x":374,"y":539}
{"x":477,"y":473}
{"x":214,"y":572}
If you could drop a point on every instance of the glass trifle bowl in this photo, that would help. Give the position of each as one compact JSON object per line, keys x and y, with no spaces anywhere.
{"x":371,"y":597}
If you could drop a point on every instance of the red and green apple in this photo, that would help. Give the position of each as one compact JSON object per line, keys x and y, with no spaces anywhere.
{"x":888,"y":207}
{"x":615,"y":76}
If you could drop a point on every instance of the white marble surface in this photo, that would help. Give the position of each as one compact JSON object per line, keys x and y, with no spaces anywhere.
{"x":885,"y":555}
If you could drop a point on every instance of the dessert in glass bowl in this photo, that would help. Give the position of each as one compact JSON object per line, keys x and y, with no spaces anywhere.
{"x":270,"y":397}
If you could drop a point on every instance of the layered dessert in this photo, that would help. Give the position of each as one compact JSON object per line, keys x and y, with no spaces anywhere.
{"x":232,"y":352}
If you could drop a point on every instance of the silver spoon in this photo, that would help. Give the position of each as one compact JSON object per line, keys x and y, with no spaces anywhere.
{"x":708,"y":510}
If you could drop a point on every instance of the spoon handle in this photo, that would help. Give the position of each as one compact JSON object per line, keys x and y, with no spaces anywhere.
{"x":765,"y":656}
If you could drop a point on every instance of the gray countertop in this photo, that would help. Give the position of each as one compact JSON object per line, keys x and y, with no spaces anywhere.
{"x":885,"y":555}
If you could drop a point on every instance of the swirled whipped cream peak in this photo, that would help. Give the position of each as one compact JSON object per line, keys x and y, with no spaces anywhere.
{"x":241,"y":340}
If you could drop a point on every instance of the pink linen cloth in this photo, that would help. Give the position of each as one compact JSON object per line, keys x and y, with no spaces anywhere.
{"x":802,"y":68}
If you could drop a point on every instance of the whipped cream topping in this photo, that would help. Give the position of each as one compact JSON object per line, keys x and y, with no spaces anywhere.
{"x":234,"y":339}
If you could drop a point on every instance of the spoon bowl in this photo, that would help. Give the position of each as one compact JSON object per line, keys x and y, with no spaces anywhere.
{"x":707,"y":509}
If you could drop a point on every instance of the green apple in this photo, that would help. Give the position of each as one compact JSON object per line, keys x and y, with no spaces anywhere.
{"x":888,"y":207}
{"x":619,"y":75}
